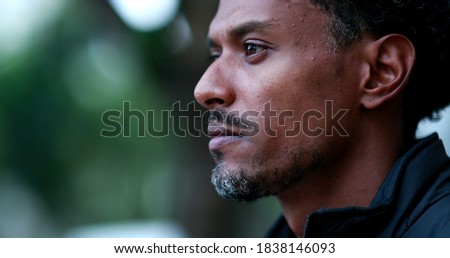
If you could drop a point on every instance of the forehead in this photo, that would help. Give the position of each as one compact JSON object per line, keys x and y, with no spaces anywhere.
{"x":281,"y":13}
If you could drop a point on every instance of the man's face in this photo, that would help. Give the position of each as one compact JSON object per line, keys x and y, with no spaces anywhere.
{"x":275,"y":70}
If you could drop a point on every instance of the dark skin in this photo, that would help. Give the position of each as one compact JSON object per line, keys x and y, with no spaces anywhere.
{"x":280,"y":51}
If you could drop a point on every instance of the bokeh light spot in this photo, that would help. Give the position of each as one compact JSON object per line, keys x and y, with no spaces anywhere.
{"x":146,"y":15}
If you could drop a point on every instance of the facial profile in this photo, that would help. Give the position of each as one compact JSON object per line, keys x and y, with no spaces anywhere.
{"x":273,"y":60}
{"x":316,"y":103}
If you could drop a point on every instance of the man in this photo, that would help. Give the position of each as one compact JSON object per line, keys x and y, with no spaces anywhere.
{"x":317,"y":103}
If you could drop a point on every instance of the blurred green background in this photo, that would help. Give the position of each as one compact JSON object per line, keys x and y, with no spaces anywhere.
{"x":64,"y":63}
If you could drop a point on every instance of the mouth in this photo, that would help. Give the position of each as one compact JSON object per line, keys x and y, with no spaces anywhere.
{"x":221,"y":136}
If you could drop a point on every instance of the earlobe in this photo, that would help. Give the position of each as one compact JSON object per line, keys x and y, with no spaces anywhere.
{"x":391,"y":60}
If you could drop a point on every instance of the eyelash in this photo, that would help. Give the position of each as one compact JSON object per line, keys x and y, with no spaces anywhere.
{"x":252,"y":50}
{"x":256,"y":48}
{"x":213,"y":57}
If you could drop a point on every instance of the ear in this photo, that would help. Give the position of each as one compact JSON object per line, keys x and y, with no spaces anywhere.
{"x":390,"y":61}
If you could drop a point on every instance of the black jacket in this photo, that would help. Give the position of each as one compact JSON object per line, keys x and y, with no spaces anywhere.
{"x":413,"y":201}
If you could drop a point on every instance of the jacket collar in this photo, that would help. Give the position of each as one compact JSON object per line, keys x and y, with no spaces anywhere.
{"x":399,"y":187}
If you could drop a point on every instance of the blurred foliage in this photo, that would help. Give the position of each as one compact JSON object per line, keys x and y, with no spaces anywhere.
{"x":58,"y":173}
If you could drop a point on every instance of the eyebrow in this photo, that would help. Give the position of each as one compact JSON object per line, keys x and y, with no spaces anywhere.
{"x":250,"y":26}
{"x":245,"y":28}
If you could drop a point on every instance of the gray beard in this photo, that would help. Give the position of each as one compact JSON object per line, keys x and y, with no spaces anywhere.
{"x":244,"y":185}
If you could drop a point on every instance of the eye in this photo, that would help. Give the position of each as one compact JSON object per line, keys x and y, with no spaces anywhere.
{"x":253,"y":49}
{"x":257,"y":51}
{"x":214,"y":56}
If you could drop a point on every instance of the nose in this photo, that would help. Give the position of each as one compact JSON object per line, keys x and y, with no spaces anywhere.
{"x":215,"y":89}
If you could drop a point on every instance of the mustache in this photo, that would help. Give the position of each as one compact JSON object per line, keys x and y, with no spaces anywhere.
{"x":232,"y":119}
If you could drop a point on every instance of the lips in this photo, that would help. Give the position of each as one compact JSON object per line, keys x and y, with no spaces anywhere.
{"x":221,"y":136}
{"x":216,"y":130}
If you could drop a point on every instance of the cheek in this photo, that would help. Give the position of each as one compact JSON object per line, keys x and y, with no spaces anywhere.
{"x":293,"y":78}
{"x":301,"y":108}
{"x":296,"y":94}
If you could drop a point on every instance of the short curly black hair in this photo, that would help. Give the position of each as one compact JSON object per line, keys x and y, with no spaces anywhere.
{"x":425,"y":22}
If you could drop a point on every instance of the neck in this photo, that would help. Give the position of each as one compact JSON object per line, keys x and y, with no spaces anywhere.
{"x":352,"y":179}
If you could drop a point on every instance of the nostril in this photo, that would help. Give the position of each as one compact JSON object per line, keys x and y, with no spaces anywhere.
{"x":214,"y":101}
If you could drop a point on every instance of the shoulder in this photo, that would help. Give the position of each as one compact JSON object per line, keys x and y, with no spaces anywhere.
{"x":432,"y":219}
{"x":434,"y":222}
